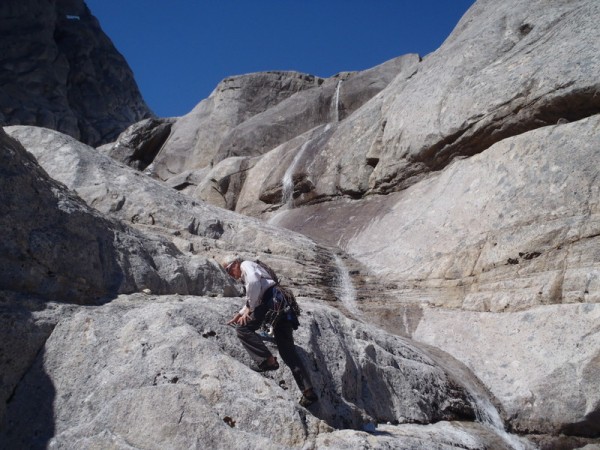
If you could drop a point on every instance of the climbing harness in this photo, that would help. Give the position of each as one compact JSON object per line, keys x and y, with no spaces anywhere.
{"x":281,"y":305}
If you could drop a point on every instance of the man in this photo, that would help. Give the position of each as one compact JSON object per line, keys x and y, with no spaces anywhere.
{"x":259,"y":291}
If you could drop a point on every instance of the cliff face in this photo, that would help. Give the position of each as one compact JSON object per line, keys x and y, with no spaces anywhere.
{"x":59,"y":70}
{"x":438,"y":220}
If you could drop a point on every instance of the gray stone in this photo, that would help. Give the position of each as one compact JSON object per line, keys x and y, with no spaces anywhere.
{"x":167,"y":371}
{"x":196,"y":137}
{"x":544,"y":373}
{"x":250,"y":115}
{"x":336,"y":98}
{"x":139,"y":144}
{"x":147,"y":204}
{"x":25,"y":324}
{"x":535,"y":64}
{"x":530,"y":70}
{"x":512,"y":229}
{"x":222,"y":184}
{"x":484,"y":249}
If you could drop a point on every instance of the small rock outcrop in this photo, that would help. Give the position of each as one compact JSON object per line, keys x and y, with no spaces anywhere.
{"x":139,"y":144}
{"x":59,"y":70}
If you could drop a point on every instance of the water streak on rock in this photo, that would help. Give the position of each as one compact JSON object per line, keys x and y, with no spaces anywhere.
{"x":488,"y":415}
{"x":287,"y":190}
{"x":336,"y":102}
{"x":345,"y":291}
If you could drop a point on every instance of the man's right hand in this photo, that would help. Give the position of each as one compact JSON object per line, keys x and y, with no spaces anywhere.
{"x":235,"y":319}
{"x":244,"y":318}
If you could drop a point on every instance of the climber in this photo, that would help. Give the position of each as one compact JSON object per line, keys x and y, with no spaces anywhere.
{"x":261,"y":287}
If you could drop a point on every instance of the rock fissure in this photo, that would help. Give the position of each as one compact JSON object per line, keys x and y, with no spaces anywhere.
{"x":548,"y":113}
{"x":34,"y":360}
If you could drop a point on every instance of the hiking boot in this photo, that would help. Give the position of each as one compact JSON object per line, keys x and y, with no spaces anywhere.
{"x":308,"y":398}
{"x":268,"y":364}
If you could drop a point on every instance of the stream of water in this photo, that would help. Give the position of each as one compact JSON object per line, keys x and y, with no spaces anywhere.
{"x":486,"y":413}
{"x":335,"y":104}
{"x":345,"y":291}
{"x":287,"y":189}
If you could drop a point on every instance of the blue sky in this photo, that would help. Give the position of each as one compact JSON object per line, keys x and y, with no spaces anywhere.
{"x":179,"y":50}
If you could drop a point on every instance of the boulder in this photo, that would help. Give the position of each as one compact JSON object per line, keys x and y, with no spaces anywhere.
{"x":139,"y":144}
{"x":60,"y":71}
{"x":57,"y":247}
{"x":150,"y":372}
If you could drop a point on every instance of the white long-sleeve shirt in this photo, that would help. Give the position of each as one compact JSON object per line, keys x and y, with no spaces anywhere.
{"x":257,"y":281}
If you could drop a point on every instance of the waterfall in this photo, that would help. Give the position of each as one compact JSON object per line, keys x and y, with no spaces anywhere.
{"x":287,"y":189}
{"x":344,"y":289}
{"x":487,"y":414}
{"x":485,"y":411}
{"x":335,"y":104}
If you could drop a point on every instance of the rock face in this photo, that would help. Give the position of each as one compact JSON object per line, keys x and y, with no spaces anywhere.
{"x":251,"y":114}
{"x":59,"y":70}
{"x":171,"y":374}
{"x":355,"y":366}
{"x":196,"y":137}
{"x":197,"y":229}
{"x":450,"y":201}
{"x":56,"y":247}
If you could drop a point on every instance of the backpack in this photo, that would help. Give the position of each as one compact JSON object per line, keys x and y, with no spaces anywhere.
{"x":270,"y":271}
{"x":281,"y":305}
{"x":288,"y":295}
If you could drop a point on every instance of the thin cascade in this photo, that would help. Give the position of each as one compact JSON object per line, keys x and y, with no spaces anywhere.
{"x":287,"y":191}
{"x":336,"y":102}
{"x":485,"y":411}
{"x":487,"y":414}
{"x":345,"y":291}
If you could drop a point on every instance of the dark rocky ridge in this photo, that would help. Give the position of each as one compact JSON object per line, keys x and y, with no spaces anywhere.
{"x":59,"y":70}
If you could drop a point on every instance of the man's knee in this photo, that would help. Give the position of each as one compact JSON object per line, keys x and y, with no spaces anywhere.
{"x":243,"y":331}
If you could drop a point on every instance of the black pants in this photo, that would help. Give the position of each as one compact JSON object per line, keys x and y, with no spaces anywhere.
{"x":284,"y":339}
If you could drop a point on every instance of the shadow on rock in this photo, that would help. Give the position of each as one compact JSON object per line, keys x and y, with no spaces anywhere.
{"x":26,"y":413}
